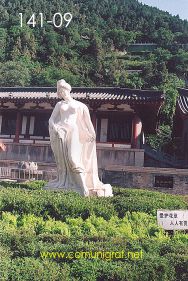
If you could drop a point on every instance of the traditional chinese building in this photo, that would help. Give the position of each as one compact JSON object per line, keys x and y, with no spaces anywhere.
{"x":180,"y":131}
{"x":120,"y":117}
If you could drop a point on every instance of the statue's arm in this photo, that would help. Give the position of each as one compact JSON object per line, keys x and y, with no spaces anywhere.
{"x":88,"y":122}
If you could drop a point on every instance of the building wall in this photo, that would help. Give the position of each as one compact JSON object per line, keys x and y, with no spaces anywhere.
{"x":146,"y":178}
{"x":110,"y":126}
{"x":106,"y":155}
{"x":118,"y":134}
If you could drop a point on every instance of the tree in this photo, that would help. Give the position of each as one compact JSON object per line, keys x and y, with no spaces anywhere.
{"x":14,"y":74}
{"x":179,"y":63}
{"x":164,"y":37}
{"x":49,"y":76}
{"x":85,"y":47}
{"x":4,"y":16}
{"x":3,"y":41}
{"x":170,"y":88}
{"x":121,"y":38}
{"x":162,"y":55}
{"x":21,"y":42}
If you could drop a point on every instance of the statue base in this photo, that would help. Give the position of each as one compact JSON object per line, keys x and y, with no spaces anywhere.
{"x":104,"y":191}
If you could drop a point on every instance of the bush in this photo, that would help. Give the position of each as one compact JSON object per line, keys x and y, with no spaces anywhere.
{"x":38,"y":184}
{"x":154,"y":268}
{"x":21,"y":243}
{"x":133,"y":226}
{"x":30,"y":269}
{"x":150,"y":268}
{"x":84,"y":270}
{"x":59,"y":205}
{"x":4,"y":262}
{"x":116,"y":271}
{"x":180,"y":265}
{"x":145,"y":201}
{"x":33,"y":222}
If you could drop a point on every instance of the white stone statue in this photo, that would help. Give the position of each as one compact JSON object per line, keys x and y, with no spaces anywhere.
{"x":72,"y":138}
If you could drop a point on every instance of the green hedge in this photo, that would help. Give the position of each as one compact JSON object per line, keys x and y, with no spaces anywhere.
{"x":33,"y":220}
{"x":57,"y":205}
{"x":5,"y":260}
{"x":136,"y":200}
{"x":31,"y":269}
{"x":133,"y":225}
{"x":61,"y":205}
{"x":38,"y":184}
{"x":152,"y":268}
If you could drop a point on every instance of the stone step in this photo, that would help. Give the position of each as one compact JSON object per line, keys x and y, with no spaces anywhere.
{"x":153,"y":170}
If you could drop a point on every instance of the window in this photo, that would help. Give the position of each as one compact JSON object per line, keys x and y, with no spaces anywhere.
{"x":41,"y":126}
{"x":119,"y":129}
{"x":8,"y":124}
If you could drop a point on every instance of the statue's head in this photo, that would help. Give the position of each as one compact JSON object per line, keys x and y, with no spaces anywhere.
{"x":63,"y":89}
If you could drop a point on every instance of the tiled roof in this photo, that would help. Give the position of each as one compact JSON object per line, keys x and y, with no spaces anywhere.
{"x":104,"y":94}
{"x":183,"y":101}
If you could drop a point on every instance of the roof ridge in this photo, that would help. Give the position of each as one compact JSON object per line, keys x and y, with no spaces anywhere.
{"x":49,"y":89}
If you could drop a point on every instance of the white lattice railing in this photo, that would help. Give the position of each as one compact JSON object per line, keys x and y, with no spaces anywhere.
{"x":25,"y":174}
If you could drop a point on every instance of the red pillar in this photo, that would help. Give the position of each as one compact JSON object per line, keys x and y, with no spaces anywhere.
{"x":18,"y":127}
{"x":136,"y":131}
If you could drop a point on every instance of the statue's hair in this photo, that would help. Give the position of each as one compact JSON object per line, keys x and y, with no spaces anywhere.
{"x":63,"y":84}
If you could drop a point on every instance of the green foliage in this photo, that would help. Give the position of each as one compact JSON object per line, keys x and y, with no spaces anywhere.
{"x":145,"y":201}
{"x":78,"y":52}
{"x":70,"y":204}
{"x":56,"y":205}
{"x":37,"y":184}
{"x":22,"y":42}
{"x":164,"y":37}
{"x":14,"y":74}
{"x":180,"y":263}
{"x":5,"y":259}
{"x":179,"y":63}
{"x":132,"y":226}
{"x":31,"y":269}
{"x":121,"y":38}
{"x":170,"y":88}
{"x":162,"y":138}
{"x":3,"y":41}
{"x":50,"y":75}
{"x":155,"y":264}
{"x":37,"y":221}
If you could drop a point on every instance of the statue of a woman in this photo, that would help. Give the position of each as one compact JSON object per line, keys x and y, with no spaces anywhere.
{"x":72,"y":138}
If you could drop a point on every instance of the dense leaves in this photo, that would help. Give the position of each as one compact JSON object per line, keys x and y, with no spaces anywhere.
{"x":88,"y":51}
{"x":36,"y":222}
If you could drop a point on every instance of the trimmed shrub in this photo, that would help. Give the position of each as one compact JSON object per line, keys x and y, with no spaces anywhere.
{"x":59,"y":205}
{"x":5,"y":259}
{"x":180,"y":265}
{"x":145,"y":201}
{"x":37,"y":184}
{"x":154,"y":268}
{"x":30,"y":269}
{"x":33,"y":222}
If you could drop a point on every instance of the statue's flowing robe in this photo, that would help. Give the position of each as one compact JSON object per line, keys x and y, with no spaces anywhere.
{"x":75,"y":152}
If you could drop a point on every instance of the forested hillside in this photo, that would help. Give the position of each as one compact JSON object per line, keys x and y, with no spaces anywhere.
{"x":87,"y":52}
{"x":97,"y":48}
